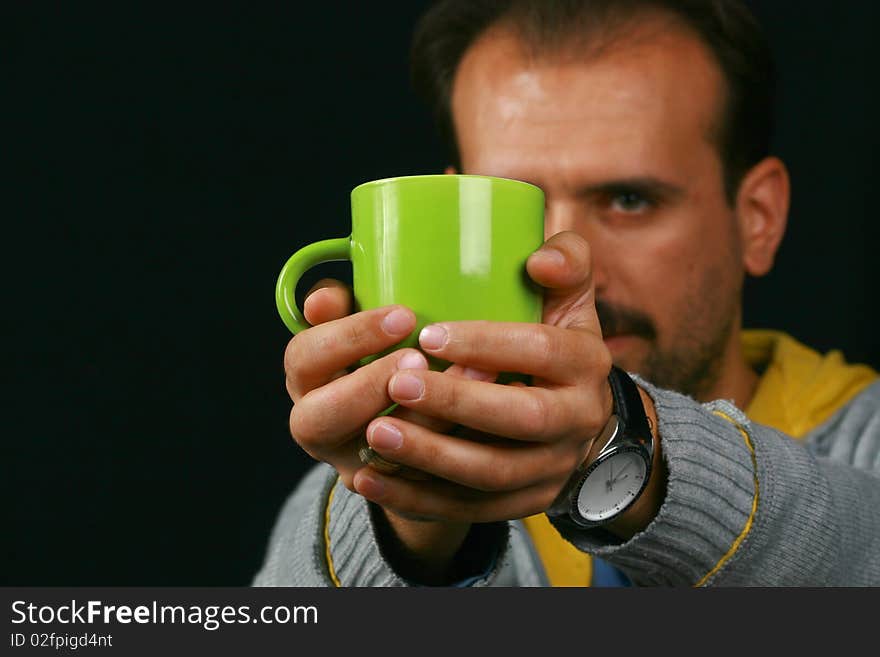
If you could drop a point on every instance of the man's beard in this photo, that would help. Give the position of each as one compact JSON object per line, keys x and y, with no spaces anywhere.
{"x":691,"y":363}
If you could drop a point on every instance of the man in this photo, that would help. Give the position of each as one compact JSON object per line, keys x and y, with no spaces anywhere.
{"x":647,"y":124}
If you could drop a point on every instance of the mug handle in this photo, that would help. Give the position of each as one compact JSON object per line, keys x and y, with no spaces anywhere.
{"x":307,"y":257}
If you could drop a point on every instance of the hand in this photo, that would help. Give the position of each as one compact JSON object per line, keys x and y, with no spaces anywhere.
{"x":540,"y":433}
{"x":332,"y":404}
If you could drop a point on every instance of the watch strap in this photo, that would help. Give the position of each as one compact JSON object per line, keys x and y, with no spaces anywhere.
{"x":628,"y":407}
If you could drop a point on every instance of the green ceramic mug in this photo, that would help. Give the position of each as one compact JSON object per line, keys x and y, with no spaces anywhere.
{"x":449,"y":247}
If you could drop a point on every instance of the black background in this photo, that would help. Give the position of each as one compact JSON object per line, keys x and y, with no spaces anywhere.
{"x":163,"y":166}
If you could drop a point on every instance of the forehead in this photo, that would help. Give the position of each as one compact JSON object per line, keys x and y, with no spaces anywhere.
{"x":646,"y":97}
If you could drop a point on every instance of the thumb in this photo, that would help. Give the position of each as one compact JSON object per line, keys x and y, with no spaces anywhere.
{"x":563,"y":266}
{"x":327,"y":300}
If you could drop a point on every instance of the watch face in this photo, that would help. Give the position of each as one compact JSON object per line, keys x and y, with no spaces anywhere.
{"x":611,"y":485}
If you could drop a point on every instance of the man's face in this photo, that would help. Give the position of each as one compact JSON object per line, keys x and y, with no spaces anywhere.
{"x":621,"y":144}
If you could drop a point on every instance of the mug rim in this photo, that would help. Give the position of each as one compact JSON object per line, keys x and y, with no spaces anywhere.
{"x":397,"y":179}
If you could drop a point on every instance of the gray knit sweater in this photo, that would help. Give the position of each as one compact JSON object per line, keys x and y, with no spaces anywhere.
{"x":767,"y":511}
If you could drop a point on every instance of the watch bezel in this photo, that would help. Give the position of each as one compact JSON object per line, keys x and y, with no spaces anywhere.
{"x":614,"y":450}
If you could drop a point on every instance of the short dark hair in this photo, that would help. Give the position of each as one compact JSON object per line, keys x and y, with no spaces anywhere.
{"x":726,"y":27}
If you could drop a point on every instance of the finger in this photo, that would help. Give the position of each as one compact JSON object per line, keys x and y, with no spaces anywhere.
{"x":334,"y":413}
{"x":314,"y":356}
{"x":438,"y":424}
{"x":530,"y":413}
{"x":496,"y":466}
{"x":434,"y":424}
{"x":294,"y":392}
{"x":436,"y":499}
{"x":550,"y":352}
{"x":328,"y":299}
{"x":563,"y":266}
{"x":345,"y":461}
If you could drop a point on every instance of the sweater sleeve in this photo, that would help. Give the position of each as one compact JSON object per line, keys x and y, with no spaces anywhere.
{"x":325,"y":536}
{"x":747,"y":505}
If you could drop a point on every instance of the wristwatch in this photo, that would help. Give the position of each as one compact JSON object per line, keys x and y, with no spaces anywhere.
{"x":616,"y":469}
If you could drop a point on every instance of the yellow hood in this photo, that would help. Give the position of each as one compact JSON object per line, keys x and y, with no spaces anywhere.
{"x":799,"y":388}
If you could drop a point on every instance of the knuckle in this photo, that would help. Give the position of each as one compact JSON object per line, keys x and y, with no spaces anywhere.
{"x":289,"y":349}
{"x":546,"y":344}
{"x":565,"y":464}
{"x":292,"y":390}
{"x":357,"y":334}
{"x":601,"y":360}
{"x":299,"y":357}
{"x":592,"y":358}
{"x":369,"y":385}
{"x":473,"y":337}
{"x":589,"y":417}
{"x":592,"y":422}
{"x":577,"y":248}
{"x":298,"y":427}
{"x":305,"y":443}
{"x":322,"y":343}
{"x":582,"y":251}
{"x":441,"y":391}
{"x":427,"y":453}
{"x":291,"y":357}
{"x":448,"y":395}
{"x":476,"y":337}
{"x":562,"y":415}
{"x":306,"y":425}
{"x":534,"y":417}
{"x":377,"y":375}
{"x":500,"y":477}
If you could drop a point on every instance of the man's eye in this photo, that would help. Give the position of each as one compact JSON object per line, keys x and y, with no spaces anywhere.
{"x":629,"y":202}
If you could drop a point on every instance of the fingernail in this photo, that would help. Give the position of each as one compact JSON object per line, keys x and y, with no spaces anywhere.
{"x":397,"y":322}
{"x":433,"y":337}
{"x":550,"y":255}
{"x":385,"y":436}
{"x":369,"y":486}
{"x":477,"y":375}
{"x":412,"y":360}
{"x":406,"y":387}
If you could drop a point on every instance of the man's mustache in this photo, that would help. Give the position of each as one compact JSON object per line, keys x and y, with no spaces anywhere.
{"x":617,"y":320}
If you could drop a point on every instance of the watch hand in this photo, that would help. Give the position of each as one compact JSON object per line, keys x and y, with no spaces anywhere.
{"x":620,"y":473}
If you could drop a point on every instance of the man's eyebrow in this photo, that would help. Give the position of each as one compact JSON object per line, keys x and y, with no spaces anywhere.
{"x":646,"y":186}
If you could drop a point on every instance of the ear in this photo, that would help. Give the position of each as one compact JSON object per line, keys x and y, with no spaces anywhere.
{"x":762,"y":212}
{"x":450,"y":170}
